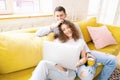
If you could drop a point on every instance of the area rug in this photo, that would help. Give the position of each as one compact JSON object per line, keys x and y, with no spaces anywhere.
{"x":115,"y":75}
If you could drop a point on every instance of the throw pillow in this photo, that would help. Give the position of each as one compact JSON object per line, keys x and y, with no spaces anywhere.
{"x":101,"y":36}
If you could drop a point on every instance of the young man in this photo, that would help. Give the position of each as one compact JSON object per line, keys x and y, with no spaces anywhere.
{"x":60,"y":15}
{"x":109,"y":61}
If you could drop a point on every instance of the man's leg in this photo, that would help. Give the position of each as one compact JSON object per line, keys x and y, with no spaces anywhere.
{"x":109,"y":61}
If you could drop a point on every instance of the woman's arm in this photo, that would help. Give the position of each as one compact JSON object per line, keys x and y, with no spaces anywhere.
{"x":83,"y":58}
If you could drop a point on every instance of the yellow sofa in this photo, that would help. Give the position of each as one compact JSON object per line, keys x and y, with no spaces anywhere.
{"x":21,"y":50}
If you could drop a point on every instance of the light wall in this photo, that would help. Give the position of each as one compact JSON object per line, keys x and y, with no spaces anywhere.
{"x":76,"y":10}
{"x":23,"y":23}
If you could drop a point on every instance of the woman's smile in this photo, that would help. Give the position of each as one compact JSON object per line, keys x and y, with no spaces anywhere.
{"x":66,"y":30}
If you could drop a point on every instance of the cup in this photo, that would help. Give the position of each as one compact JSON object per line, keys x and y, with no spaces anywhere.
{"x":90,"y":61}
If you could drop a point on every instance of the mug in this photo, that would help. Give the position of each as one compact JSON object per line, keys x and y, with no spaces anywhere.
{"x":90,"y":61}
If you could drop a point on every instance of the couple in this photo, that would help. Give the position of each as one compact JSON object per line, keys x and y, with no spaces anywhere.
{"x":67,"y":32}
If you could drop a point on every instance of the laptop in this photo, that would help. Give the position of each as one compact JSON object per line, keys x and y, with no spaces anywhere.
{"x":63,"y":54}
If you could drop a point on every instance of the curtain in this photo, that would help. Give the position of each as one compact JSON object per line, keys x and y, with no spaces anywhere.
{"x":106,"y":11}
{"x":117,"y":15}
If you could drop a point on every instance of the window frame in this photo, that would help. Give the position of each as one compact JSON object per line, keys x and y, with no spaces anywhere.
{"x":10,"y":11}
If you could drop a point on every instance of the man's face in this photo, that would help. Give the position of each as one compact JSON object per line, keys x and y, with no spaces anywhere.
{"x":59,"y":15}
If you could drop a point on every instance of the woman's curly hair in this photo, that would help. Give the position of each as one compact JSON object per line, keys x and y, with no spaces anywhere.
{"x":75,"y":33}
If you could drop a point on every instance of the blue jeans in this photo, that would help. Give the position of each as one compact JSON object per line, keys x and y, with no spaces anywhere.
{"x":109,"y":62}
{"x":86,"y":72}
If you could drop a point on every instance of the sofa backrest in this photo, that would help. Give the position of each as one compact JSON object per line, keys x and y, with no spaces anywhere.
{"x":19,"y":51}
{"x":83,"y":24}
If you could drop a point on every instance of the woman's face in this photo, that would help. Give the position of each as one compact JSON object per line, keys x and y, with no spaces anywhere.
{"x":66,"y":30}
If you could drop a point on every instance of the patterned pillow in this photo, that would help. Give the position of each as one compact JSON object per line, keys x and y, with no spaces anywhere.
{"x":115,"y":75}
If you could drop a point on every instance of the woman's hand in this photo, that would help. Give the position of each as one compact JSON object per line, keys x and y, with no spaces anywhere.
{"x":79,"y":63}
{"x":90,"y":56}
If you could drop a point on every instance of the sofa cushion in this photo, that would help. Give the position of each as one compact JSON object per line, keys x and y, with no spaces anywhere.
{"x":20,"y":51}
{"x":19,"y":75}
{"x":112,"y":49}
{"x":101,"y":36}
{"x":83,"y":26}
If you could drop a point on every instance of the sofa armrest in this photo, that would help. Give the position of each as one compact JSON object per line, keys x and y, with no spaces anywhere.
{"x":115,"y":30}
{"x":118,"y":58}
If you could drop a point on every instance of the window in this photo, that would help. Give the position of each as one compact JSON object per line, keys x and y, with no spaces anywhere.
{"x":2,"y":6}
{"x":26,"y":6}
{"x":5,"y":7}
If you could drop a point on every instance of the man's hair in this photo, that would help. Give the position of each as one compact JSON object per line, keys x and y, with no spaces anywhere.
{"x":60,"y":8}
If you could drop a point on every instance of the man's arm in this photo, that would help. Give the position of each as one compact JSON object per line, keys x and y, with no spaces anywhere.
{"x":47,"y":30}
{"x":43,"y":31}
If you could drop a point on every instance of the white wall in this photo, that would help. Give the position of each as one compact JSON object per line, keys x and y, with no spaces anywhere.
{"x":15,"y":24}
{"x":76,"y":9}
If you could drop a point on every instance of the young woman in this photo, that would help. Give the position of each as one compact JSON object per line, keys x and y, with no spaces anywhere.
{"x":69,"y":34}
{"x":53,"y":71}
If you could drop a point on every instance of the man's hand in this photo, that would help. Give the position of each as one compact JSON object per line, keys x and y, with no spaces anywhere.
{"x":53,"y":26}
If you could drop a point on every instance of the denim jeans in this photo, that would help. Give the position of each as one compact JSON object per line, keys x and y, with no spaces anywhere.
{"x":86,"y":72}
{"x":109,"y":62}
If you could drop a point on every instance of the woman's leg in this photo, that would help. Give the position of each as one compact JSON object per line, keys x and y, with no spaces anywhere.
{"x":109,"y":61}
{"x":86,"y":72}
{"x":61,"y":75}
{"x":41,"y":71}
{"x":46,"y":70}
